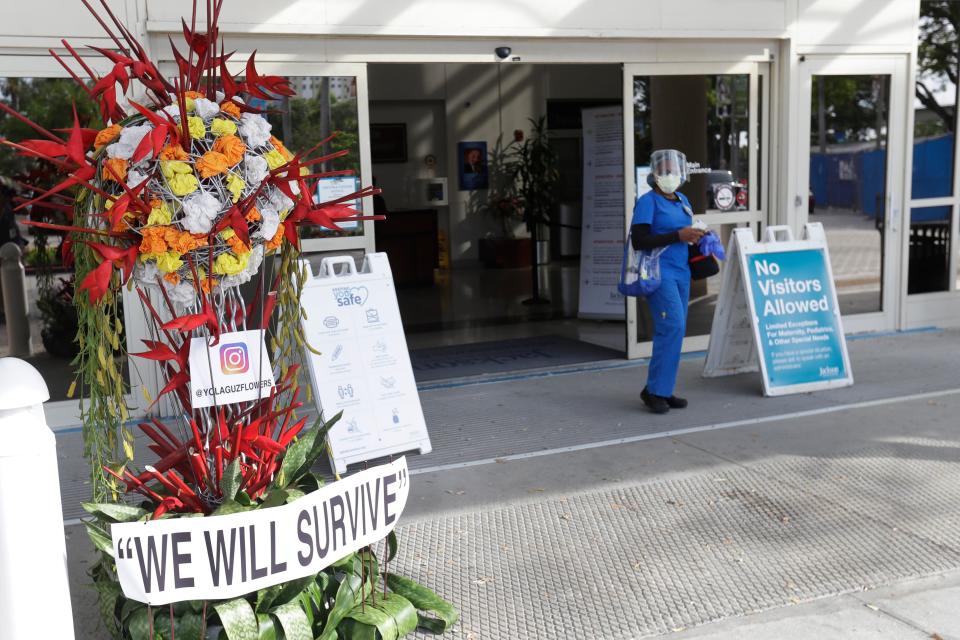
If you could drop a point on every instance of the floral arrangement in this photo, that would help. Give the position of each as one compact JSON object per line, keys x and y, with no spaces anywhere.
{"x":184,"y":195}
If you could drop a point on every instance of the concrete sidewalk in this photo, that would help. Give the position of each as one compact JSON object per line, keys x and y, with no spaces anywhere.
{"x":555,"y":507}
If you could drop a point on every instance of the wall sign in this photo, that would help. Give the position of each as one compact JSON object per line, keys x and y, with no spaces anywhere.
{"x":334,"y":187}
{"x":364,"y":367}
{"x":778,"y":312}
{"x":602,"y":235}
{"x":221,"y":557}
{"x":236,"y":369}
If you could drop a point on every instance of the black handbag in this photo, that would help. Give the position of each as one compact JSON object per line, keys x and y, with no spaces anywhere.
{"x":701,"y":266}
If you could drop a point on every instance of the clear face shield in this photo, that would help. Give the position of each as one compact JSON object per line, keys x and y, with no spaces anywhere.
{"x":669,"y":169}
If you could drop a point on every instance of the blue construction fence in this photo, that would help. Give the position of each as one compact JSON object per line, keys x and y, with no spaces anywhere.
{"x":855,"y":180}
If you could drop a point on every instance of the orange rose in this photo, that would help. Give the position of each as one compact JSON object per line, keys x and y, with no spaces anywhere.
{"x":114,"y":169}
{"x":231,"y":147}
{"x":282,"y":149}
{"x":173,"y":152}
{"x":230,"y":108}
{"x":253,"y":215}
{"x":173,"y":277}
{"x":153,"y":240}
{"x":276,"y":240}
{"x":106,"y":136}
{"x":192,"y":94}
{"x":211,"y":163}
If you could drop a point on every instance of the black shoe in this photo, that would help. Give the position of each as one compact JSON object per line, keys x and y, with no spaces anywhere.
{"x":677,"y":403}
{"x":656,"y":404}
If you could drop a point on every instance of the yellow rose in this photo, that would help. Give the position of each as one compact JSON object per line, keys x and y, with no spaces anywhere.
{"x":274,"y":159}
{"x":159,"y":215}
{"x":223,"y":127}
{"x":182,"y":184}
{"x":235,"y":185}
{"x":227,"y":233}
{"x":169,"y":262}
{"x":197,"y":130}
{"x":191,"y":105}
{"x":228,"y":264}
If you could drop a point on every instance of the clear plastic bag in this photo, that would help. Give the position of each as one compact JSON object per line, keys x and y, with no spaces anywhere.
{"x":640,"y":272}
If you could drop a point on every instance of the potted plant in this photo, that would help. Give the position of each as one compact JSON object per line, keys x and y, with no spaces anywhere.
{"x":502,"y":202}
{"x":59,"y":332}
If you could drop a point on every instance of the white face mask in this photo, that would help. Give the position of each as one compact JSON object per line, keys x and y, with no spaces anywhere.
{"x":668,"y":183}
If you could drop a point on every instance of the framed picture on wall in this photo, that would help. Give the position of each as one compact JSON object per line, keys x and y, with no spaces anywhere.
{"x":473,"y":171}
{"x":388,"y":143}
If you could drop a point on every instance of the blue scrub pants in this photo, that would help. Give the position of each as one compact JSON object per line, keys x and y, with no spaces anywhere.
{"x":668,"y":306}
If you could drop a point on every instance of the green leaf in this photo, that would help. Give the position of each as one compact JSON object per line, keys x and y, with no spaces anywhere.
{"x":189,"y":626}
{"x":99,"y":538}
{"x":425,"y":600}
{"x":348,"y":595}
{"x":351,"y":629}
{"x":138,"y":624}
{"x":108,"y":593}
{"x":115,"y":512}
{"x":294,"y":621}
{"x":393,"y":616}
{"x":230,"y":483}
{"x":267,"y":630}
{"x":297,"y":453}
{"x":229,"y":507}
{"x":318,"y":448}
{"x":275,"y":498}
{"x":294,"y":494}
{"x":391,"y":545}
{"x":238,"y":619}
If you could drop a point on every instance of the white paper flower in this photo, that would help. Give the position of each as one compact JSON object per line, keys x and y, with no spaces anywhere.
{"x":146,"y":272}
{"x":181,"y":294}
{"x":255,"y":129}
{"x":269,"y":221}
{"x":136,"y":176}
{"x":199,"y":212}
{"x":279,"y":199}
{"x":255,"y":169}
{"x":206,"y":109}
{"x":173,"y":110}
{"x":130,"y":138}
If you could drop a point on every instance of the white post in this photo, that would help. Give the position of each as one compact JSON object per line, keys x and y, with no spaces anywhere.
{"x":34,"y":590}
{"x":13,"y":282}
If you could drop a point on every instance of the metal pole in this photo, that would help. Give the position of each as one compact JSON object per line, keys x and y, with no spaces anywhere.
{"x":14,"y":284}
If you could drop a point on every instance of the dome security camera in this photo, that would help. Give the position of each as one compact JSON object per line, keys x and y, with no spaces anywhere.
{"x":503,"y":52}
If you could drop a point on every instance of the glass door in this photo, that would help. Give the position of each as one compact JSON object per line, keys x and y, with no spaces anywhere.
{"x":850,"y":178}
{"x":716,"y":115}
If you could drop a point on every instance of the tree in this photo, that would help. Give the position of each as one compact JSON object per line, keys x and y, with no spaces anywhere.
{"x":937,"y":56}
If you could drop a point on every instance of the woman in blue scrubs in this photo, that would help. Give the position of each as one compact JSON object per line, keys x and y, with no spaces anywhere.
{"x":662,"y":217}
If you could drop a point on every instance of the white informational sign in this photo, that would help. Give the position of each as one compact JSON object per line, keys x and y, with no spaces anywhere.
{"x":236,"y":369}
{"x":602,"y":237}
{"x":222,"y":557}
{"x":778,"y":312}
{"x":334,"y":187}
{"x":364,"y":367}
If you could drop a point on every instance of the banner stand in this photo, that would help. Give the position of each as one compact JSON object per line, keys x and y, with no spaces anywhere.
{"x":363,"y":368}
{"x":778,"y":313}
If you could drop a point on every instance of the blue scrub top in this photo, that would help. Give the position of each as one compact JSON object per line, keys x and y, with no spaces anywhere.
{"x":665,"y":216}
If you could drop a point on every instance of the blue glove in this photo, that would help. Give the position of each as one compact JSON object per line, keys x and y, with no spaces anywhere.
{"x":709,"y":245}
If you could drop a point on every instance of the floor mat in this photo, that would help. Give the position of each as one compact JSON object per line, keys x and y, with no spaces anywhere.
{"x":503,"y":356}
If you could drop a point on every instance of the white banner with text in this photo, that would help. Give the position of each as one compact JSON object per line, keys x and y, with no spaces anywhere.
{"x":221,"y":557}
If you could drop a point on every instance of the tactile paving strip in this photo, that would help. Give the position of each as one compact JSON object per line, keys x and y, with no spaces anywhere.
{"x":647,"y":559}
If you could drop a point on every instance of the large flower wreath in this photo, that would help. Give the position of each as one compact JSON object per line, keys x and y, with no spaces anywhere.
{"x":183,"y":195}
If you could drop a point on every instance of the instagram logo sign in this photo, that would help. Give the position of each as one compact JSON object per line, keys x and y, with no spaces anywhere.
{"x":233,"y":358}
